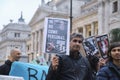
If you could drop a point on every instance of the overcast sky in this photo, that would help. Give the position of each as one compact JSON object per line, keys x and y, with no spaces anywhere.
{"x":11,"y":9}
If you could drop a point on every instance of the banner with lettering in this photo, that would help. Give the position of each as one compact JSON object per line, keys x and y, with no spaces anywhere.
{"x":56,"y":36}
{"x":28,"y":71}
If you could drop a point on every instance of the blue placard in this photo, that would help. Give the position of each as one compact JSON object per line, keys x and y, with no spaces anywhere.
{"x":29,"y":71}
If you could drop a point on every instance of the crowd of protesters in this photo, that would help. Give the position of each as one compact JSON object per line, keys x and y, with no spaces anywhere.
{"x":75,"y":66}
{"x":91,"y":67}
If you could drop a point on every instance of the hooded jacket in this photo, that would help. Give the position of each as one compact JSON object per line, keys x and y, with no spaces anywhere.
{"x":109,"y":72}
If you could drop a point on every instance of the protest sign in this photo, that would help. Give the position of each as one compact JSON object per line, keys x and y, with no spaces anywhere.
{"x":103,"y":44}
{"x":4,"y":77}
{"x":56,"y":36}
{"x":90,"y":46}
{"x":28,"y":71}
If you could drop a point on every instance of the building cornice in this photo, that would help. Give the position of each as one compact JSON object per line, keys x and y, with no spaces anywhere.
{"x":12,"y":40}
{"x":85,"y":16}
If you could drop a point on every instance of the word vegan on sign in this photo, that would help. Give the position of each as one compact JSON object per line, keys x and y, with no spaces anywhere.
{"x":56,"y":36}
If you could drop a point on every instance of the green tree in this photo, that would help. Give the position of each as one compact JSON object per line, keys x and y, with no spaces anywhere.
{"x":114,"y":35}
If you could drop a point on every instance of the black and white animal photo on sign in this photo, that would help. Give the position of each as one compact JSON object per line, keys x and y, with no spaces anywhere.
{"x":90,"y":46}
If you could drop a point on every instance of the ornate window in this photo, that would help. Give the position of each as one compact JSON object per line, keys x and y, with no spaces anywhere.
{"x":17,"y":35}
{"x":115,"y":7}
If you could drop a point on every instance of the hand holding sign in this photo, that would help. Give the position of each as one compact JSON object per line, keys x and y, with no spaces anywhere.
{"x":55,"y":62}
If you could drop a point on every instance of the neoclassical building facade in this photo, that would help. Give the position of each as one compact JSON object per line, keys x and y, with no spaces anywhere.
{"x":89,"y":17}
{"x":14,"y":35}
{"x":98,"y":17}
{"x":53,"y":9}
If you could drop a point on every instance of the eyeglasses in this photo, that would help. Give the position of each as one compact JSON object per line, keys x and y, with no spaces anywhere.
{"x":79,"y":41}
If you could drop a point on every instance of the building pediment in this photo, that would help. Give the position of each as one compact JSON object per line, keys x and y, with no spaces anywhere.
{"x":45,"y":11}
{"x":40,"y":13}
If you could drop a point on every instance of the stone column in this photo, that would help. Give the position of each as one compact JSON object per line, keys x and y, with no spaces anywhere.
{"x":92,"y":29}
{"x":32,"y":45}
{"x":107,"y":15}
{"x":39,"y":41}
{"x":76,"y":30}
{"x":101,"y":17}
{"x":84,"y":31}
{"x":32,"y":42}
{"x":35,"y":42}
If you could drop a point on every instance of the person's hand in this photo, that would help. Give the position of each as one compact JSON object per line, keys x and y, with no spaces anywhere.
{"x":101,"y":63}
{"x":55,"y":62}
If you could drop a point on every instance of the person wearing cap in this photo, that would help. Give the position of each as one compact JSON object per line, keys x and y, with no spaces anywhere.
{"x":15,"y":55}
{"x":73,"y":66}
{"x":111,"y":71}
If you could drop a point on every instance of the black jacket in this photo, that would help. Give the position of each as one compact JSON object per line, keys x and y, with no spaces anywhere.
{"x":71,"y":69}
{"x":5,"y":68}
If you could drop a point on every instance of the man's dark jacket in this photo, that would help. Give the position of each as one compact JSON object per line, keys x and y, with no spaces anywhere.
{"x":109,"y":72}
{"x":5,"y":68}
{"x":71,"y":69}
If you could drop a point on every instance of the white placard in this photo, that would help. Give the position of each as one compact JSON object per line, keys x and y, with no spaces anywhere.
{"x":3,"y":77}
{"x":56,"y":36}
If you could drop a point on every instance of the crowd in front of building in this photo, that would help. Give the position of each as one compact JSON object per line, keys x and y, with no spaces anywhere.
{"x":75,"y":66}
{"x":79,"y":64}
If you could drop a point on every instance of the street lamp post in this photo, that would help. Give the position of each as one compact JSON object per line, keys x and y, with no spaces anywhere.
{"x":70,"y":16}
